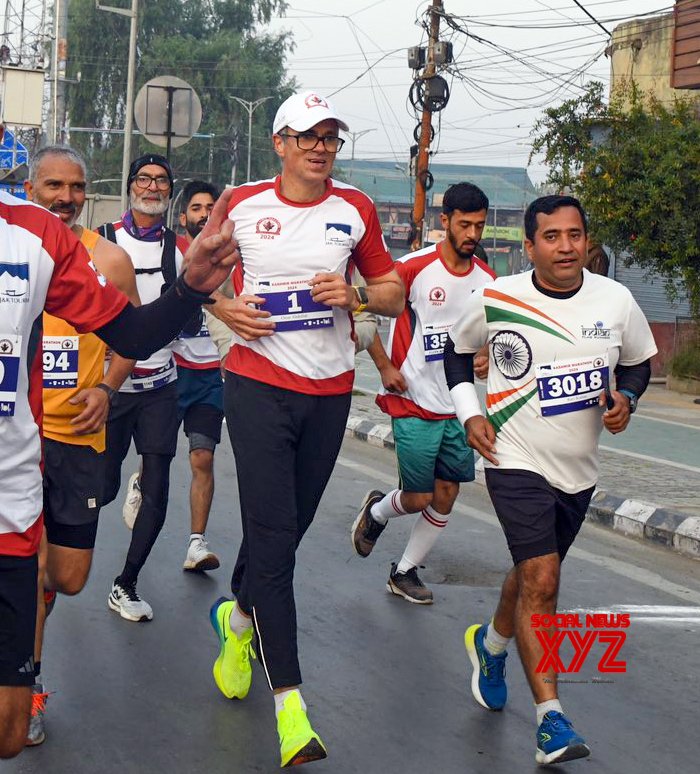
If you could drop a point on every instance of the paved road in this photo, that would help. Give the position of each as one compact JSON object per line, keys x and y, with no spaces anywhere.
{"x":386,"y":681}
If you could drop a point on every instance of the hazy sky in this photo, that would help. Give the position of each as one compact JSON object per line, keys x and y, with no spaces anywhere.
{"x":553,"y":49}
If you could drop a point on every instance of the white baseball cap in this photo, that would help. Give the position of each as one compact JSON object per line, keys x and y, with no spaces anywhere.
{"x":302,"y":111}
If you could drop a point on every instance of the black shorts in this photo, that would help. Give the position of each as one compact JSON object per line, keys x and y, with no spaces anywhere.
{"x":18,"y":585}
{"x":149,"y":417}
{"x":200,"y":404}
{"x":536,"y":517}
{"x":73,"y":481}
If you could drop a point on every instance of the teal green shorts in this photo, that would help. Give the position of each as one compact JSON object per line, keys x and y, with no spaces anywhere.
{"x":427,"y":449}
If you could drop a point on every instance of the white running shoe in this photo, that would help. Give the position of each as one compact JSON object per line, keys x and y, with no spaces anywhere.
{"x":131,"y":506}
{"x":199,"y":557}
{"x":124,"y":599}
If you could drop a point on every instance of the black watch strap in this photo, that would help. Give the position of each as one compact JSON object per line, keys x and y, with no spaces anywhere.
{"x":111,"y":392}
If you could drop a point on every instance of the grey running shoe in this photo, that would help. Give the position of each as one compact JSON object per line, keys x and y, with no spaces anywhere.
{"x":409,"y":586}
{"x":366,"y":530}
{"x":36,"y":734}
{"x":199,"y":557}
{"x":124,"y":599}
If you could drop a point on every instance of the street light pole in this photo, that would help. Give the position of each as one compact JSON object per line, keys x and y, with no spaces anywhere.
{"x":250,"y":106}
{"x":130,"y":78}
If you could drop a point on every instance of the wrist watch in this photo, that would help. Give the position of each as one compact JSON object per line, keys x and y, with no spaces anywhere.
{"x":111,"y":392}
{"x":362,"y":298}
{"x":632,"y":399}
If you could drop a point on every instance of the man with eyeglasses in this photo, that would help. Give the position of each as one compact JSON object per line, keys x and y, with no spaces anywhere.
{"x":289,"y":376}
{"x":146,"y":406}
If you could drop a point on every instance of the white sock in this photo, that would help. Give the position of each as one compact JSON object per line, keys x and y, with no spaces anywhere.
{"x":552,"y":705}
{"x":494,"y":642}
{"x":196,"y":535}
{"x":388,"y":508}
{"x":280,"y":697}
{"x":428,"y":526}
{"x":238,"y":622}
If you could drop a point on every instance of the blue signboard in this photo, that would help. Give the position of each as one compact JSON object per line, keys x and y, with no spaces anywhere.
{"x":12,"y":155}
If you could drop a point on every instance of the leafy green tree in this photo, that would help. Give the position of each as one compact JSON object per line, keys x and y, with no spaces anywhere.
{"x":635,"y":165}
{"x":217,"y":46}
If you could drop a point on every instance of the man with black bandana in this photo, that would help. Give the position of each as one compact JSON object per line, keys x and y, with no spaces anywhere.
{"x":431,"y":448}
{"x":556,"y":337}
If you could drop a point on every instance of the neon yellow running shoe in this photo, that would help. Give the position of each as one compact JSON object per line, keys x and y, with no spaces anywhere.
{"x":232,"y":671}
{"x":299,"y":743}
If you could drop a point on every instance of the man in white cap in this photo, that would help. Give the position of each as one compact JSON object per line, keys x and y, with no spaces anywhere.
{"x":289,"y":376}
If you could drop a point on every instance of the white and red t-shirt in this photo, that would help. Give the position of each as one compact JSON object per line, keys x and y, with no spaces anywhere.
{"x":159,"y":369}
{"x":198,"y":352}
{"x":42,"y":266}
{"x":283,"y":245}
{"x":435,"y":299}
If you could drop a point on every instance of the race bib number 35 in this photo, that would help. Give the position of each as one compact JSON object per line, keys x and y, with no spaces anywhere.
{"x":434,"y":340}
{"x":291,"y":306}
{"x":60,"y":360}
{"x":571,"y":385}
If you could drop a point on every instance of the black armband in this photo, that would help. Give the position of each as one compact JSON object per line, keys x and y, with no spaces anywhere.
{"x":458,"y":368}
{"x":634,"y":378}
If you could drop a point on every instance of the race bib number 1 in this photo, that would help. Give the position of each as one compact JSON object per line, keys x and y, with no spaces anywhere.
{"x":571,"y":385}
{"x":60,"y":360}
{"x":10,"y":349}
{"x":291,"y":306}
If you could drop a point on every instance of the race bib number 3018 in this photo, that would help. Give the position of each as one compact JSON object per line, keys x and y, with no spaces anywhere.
{"x":292,"y":308}
{"x":571,"y":385}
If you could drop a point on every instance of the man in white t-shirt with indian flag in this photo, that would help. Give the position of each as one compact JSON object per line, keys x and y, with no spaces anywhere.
{"x":557,"y":335}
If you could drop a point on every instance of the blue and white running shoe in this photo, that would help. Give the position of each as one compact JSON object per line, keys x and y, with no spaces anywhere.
{"x":557,"y":741}
{"x":488,"y":675}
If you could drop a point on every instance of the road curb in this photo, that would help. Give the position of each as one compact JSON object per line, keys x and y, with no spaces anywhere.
{"x":642,"y":520}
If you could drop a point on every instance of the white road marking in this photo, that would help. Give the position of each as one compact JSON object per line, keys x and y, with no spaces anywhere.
{"x":642,"y":415}
{"x":617,"y":566}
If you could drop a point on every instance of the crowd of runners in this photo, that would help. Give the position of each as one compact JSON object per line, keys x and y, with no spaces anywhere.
{"x":107,"y":330}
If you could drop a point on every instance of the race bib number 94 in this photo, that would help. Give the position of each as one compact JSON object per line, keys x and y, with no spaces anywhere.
{"x":292,"y":308}
{"x":571,"y":385}
{"x":60,"y":361}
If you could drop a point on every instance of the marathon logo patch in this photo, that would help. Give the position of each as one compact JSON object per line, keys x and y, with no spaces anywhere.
{"x":268,"y":228}
{"x":14,"y":282}
{"x":339,"y":235}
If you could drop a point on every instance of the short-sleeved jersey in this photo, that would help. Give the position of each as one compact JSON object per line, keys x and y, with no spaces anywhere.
{"x":435,"y":299}
{"x":283,"y":245}
{"x":42,"y":266}
{"x":72,"y":362}
{"x":549,"y":360}
{"x":198,"y":351}
{"x":159,"y":369}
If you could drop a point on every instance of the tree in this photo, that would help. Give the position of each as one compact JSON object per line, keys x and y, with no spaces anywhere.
{"x":635,"y":165}
{"x":216,"y":46}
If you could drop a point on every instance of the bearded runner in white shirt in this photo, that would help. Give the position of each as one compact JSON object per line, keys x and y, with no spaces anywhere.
{"x":431,"y":448}
{"x":288,"y":385}
{"x":556,"y":336}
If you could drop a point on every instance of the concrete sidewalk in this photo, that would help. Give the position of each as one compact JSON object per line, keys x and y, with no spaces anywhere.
{"x":638,"y":497}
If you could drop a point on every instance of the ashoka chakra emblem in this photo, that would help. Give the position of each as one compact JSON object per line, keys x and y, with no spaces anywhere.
{"x":511,"y":354}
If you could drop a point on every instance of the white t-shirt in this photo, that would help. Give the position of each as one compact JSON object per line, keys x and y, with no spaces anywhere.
{"x":159,"y":369}
{"x":548,"y":362}
{"x":198,"y":352}
{"x":435,"y":297}
{"x":283,"y":245}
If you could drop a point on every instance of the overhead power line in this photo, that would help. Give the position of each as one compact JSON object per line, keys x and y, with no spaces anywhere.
{"x":607,"y":32}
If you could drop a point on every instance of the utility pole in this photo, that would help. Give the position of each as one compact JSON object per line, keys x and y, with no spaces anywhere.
{"x":422,"y":172}
{"x":250,"y":106}
{"x":58,"y":74}
{"x":130,"y":78}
